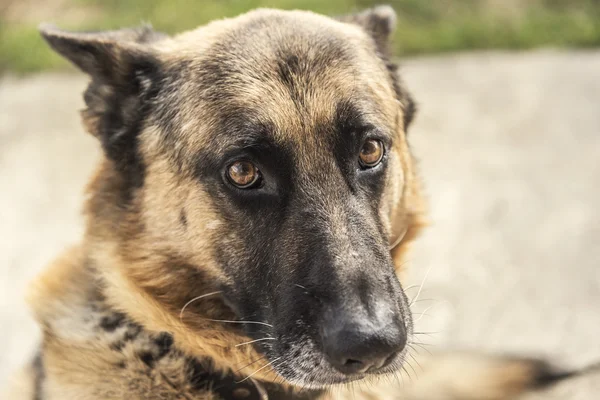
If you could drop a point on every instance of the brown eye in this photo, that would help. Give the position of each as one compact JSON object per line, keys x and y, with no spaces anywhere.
{"x":243,"y":174}
{"x":371,"y":153}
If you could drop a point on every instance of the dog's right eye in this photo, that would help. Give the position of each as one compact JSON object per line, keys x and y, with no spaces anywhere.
{"x":244,"y":174}
{"x":371,"y":153}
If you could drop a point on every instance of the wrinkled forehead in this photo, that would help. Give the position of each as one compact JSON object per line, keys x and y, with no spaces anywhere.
{"x":294,"y":80}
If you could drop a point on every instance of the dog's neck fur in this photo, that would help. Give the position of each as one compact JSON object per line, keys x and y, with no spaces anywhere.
{"x":91,"y":349}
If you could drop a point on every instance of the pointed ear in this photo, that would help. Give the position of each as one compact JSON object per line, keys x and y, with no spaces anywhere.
{"x":126,"y":74}
{"x":379,"y":22}
{"x":100,"y":54}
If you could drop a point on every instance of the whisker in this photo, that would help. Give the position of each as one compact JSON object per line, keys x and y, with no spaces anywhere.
{"x":413,"y":369}
{"x":421,"y":300}
{"x":424,"y":313}
{"x":415,"y":360}
{"x":422,"y":346}
{"x":217,"y":320}
{"x":193,"y":300}
{"x":426,"y":333}
{"x":407,"y":374}
{"x":253,"y":362}
{"x":253,"y":341}
{"x":421,"y":287}
{"x":399,"y":374}
{"x":238,"y":322}
{"x":398,"y":239}
{"x":258,"y":370}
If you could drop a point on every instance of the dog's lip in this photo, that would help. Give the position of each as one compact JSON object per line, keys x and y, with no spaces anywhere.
{"x":340,"y":379}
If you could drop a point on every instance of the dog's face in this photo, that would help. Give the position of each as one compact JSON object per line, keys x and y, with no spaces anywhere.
{"x":264,"y":158}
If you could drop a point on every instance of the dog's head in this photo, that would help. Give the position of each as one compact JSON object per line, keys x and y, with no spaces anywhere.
{"x":264,"y":158}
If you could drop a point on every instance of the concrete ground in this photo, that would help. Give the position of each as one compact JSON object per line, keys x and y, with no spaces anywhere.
{"x":510,"y":153}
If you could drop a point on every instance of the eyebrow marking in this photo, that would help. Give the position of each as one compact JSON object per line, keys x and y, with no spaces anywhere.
{"x":355,"y":117}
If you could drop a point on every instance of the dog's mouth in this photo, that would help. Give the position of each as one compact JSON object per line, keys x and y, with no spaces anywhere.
{"x":306,"y":366}
{"x":303,"y":355}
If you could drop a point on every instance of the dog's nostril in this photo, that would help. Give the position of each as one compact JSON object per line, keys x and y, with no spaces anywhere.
{"x":389,"y":360}
{"x":352,"y":366}
{"x":353,"y":363}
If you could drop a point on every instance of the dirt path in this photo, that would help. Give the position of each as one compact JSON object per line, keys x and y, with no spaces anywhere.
{"x":510,"y":149}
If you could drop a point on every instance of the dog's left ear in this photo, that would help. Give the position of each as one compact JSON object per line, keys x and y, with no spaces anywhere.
{"x":379,"y":22}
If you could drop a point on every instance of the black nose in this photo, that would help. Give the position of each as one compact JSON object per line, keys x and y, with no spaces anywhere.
{"x":357,"y":346}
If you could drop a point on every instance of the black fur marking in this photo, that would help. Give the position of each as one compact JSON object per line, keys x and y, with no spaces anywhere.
{"x":290,"y":70}
{"x":121,"y":121}
{"x":203,"y":378}
{"x":349,"y":119}
{"x":183,"y":218}
{"x":408,"y":104}
{"x":39,"y":376}
{"x":117,"y":346}
{"x":147,"y":358}
{"x":164,"y":112}
{"x":410,"y":109}
{"x":111,"y":322}
{"x":164,"y":342}
{"x":132,"y":332}
{"x":276,"y":392}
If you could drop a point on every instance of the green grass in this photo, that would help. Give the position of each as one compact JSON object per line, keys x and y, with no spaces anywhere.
{"x":424,"y":26}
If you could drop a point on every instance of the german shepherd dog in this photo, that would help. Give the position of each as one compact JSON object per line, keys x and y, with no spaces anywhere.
{"x":248,"y":222}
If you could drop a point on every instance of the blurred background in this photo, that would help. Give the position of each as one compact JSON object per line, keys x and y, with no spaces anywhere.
{"x":508,"y":138}
{"x":425,"y":26}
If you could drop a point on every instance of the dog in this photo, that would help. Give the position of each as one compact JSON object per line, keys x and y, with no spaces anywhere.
{"x":247,"y":226}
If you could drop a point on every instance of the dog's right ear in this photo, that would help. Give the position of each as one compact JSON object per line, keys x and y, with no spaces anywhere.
{"x":126,"y":74}
{"x":104,"y":54}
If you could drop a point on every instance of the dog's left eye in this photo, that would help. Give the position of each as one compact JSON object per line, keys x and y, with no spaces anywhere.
{"x":371,"y":153}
